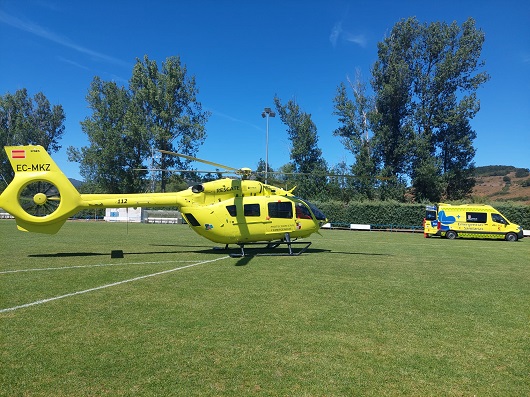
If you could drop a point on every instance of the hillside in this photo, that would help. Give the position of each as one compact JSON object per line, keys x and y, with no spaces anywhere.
{"x":503,"y":183}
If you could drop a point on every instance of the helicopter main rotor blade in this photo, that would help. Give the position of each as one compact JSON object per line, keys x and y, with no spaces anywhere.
{"x":199,"y":160}
{"x":382,"y":178}
{"x":190,"y":171}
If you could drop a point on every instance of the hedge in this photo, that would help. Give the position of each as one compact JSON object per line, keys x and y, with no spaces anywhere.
{"x":516,"y":213}
{"x":394,"y":213}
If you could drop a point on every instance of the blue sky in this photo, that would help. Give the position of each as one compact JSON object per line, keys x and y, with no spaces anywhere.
{"x":243,"y":53}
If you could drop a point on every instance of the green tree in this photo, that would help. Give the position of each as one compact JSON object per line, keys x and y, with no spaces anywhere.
{"x":28,"y":121}
{"x":306,"y":156}
{"x":392,"y":79}
{"x":427,"y":179}
{"x":260,"y":172}
{"x":424,"y":83}
{"x":158,"y":110}
{"x":286,"y":177}
{"x":116,"y":149}
{"x":342,"y":185}
{"x":439,"y":64}
{"x":354,"y":132}
{"x":457,"y":153}
{"x":172,"y":116}
{"x":448,"y":77}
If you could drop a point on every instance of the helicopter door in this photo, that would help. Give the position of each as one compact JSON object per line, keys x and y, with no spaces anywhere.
{"x":281,"y":217}
{"x":247,"y":219}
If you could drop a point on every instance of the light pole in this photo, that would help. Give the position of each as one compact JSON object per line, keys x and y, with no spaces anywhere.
{"x":267,"y":112}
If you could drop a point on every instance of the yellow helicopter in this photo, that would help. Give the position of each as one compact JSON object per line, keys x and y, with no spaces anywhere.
{"x":226,"y":211}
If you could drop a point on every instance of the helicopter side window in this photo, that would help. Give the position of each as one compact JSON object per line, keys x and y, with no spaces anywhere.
{"x":302,"y":212}
{"x":318,"y":214}
{"x":251,"y":210}
{"x":281,"y":210}
{"x":232,"y":210}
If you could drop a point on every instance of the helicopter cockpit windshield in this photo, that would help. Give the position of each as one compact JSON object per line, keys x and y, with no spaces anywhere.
{"x":319,"y":215}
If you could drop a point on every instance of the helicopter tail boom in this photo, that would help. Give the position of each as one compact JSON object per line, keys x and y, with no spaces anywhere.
{"x":41,"y":198}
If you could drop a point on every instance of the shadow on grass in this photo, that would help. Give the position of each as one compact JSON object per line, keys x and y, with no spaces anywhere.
{"x":249,"y":252}
{"x":206,"y":250}
{"x":66,"y":254}
{"x":241,"y":261}
{"x":75,"y":254}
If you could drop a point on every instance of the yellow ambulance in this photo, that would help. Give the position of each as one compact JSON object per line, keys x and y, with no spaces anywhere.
{"x":470,"y":221}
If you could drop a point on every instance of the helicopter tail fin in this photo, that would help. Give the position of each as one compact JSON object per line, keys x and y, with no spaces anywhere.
{"x":40,"y":197}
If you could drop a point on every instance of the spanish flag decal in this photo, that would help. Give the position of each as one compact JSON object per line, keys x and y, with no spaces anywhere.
{"x":18,"y":154}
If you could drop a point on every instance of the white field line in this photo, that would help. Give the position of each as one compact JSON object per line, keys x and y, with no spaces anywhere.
{"x":39,"y":302}
{"x":43,"y":269}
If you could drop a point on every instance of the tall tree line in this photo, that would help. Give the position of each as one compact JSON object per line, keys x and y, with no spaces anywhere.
{"x":416,"y":124}
{"x":409,"y":126}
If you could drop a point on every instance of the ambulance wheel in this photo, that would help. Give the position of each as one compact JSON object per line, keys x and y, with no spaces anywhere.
{"x":451,"y":235}
{"x":511,"y":237}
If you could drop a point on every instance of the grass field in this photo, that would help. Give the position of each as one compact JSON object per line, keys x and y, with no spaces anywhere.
{"x":360,"y":314}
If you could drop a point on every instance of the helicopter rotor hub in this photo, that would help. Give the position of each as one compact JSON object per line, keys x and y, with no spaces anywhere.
{"x":40,"y":199}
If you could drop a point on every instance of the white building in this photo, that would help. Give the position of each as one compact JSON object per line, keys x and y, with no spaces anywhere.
{"x":141,"y":215}
{"x":124,"y":215}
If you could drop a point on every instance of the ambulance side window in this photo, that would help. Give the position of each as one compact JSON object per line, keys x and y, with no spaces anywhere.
{"x":498,"y":219}
{"x":476,"y":217}
{"x":430,"y":215}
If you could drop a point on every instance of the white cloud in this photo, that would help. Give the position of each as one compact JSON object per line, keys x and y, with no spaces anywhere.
{"x":37,"y":30}
{"x":359,"y":39}
{"x":338,"y":33}
{"x":73,"y":63}
{"x":335,"y":33}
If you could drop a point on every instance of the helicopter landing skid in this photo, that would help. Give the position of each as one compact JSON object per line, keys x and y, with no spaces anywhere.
{"x":276,"y":244}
